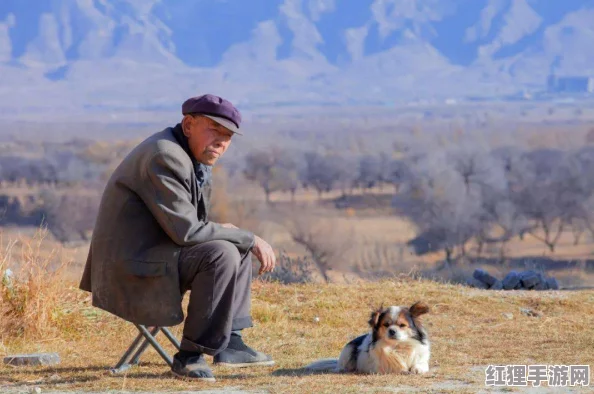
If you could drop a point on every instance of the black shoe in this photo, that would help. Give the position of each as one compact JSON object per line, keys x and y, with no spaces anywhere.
{"x":238,"y":354}
{"x":191,"y":367}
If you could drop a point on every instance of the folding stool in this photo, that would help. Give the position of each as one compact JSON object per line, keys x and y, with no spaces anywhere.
{"x":149,"y":338}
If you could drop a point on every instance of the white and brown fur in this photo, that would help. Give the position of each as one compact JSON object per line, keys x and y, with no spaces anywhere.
{"x":396,"y":343}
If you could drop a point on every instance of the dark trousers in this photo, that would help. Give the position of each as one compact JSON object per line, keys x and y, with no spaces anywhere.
{"x":219,"y":281}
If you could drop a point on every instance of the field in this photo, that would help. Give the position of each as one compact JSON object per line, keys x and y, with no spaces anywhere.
{"x":366,"y":261}
{"x":469,"y":329}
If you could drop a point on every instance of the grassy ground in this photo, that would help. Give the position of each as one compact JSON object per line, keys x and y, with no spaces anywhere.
{"x":468,"y":328}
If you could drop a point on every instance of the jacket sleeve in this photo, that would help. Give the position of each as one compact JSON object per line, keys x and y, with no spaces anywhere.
{"x":166,"y":192}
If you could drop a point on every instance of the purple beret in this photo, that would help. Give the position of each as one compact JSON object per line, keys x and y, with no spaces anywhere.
{"x":215,"y":108}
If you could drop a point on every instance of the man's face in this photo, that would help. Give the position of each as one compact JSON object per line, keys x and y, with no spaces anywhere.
{"x":208,"y":140}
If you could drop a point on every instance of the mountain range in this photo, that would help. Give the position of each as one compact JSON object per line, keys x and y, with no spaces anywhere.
{"x":92,"y":56}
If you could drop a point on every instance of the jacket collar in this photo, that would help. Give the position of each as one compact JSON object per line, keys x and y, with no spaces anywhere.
{"x":203,"y":172}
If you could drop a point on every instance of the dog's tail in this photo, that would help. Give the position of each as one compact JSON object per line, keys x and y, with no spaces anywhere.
{"x":323,"y":365}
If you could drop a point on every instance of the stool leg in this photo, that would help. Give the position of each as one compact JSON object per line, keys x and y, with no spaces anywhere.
{"x":170,"y":336}
{"x":122,"y":365}
{"x":155,"y":344}
{"x":142,"y":348}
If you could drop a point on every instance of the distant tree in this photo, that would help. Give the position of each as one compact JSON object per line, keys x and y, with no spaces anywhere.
{"x":71,"y":216}
{"x":30,"y":170}
{"x":575,"y":181}
{"x":536,"y":189}
{"x":273,"y":169}
{"x":507,"y":157}
{"x":511,"y":218}
{"x":578,"y":228}
{"x":260,"y":167}
{"x":289,"y":166}
{"x":483,"y":176}
{"x":324,"y":172}
{"x":437,"y":202}
{"x":474,"y":166}
{"x":370,"y":172}
{"x":396,"y":172}
{"x":385,"y":170}
{"x":344,"y":169}
{"x":589,"y":139}
{"x":324,"y":240}
{"x":75,"y":169}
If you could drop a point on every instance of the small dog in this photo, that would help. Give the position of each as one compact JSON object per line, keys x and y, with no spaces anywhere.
{"x":397,"y":343}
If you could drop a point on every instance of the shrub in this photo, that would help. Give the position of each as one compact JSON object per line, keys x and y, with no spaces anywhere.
{"x":291,"y":270}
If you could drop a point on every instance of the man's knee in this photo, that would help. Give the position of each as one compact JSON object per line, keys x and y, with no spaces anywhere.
{"x":224,"y":254}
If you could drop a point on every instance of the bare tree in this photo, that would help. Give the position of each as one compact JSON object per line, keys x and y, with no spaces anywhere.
{"x":370,"y":172}
{"x":323,"y":173}
{"x":536,"y":187}
{"x":30,"y":170}
{"x":396,"y":172}
{"x":75,"y":170}
{"x":260,"y":168}
{"x":484,"y":173}
{"x":439,"y":205}
{"x":580,"y":191}
{"x":71,"y":216}
{"x":578,"y":228}
{"x":322,"y":240}
{"x":273,"y":169}
{"x":475,"y":167}
{"x":343,"y":167}
{"x":289,"y":166}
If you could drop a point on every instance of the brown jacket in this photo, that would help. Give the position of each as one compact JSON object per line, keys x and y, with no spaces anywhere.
{"x":151,"y":207}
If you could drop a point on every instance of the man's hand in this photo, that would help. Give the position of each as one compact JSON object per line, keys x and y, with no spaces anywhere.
{"x":263,"y":251}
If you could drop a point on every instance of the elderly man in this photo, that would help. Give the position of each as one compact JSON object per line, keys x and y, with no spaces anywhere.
{"x":153,"y":241}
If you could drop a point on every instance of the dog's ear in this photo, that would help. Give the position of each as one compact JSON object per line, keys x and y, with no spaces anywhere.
{"x":373,"y":319}
{"x":418,"y":308}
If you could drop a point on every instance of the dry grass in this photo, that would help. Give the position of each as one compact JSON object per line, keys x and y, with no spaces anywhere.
{"x":43,"y":311}
{"x":15,"y":241}
{"x":34,"y":300}
{"x":467,"y":327}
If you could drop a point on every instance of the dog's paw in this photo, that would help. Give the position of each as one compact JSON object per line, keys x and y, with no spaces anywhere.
{"x":420,"y":369}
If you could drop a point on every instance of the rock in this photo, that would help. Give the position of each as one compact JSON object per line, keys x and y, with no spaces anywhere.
{"x":545,"y":284}
{"x":511,"y":280}
{"x":484,"y":277}
{"x":472,"y":282}
{"x":529,"y":279}
{"x":553,"y":284}
{"x":498,"y":285}
{"x":32,"y":359}
{"x":7,"y":278}
{"x":542,"y":283}
{"x":531,"y":312}
{"x":508,"y":316}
